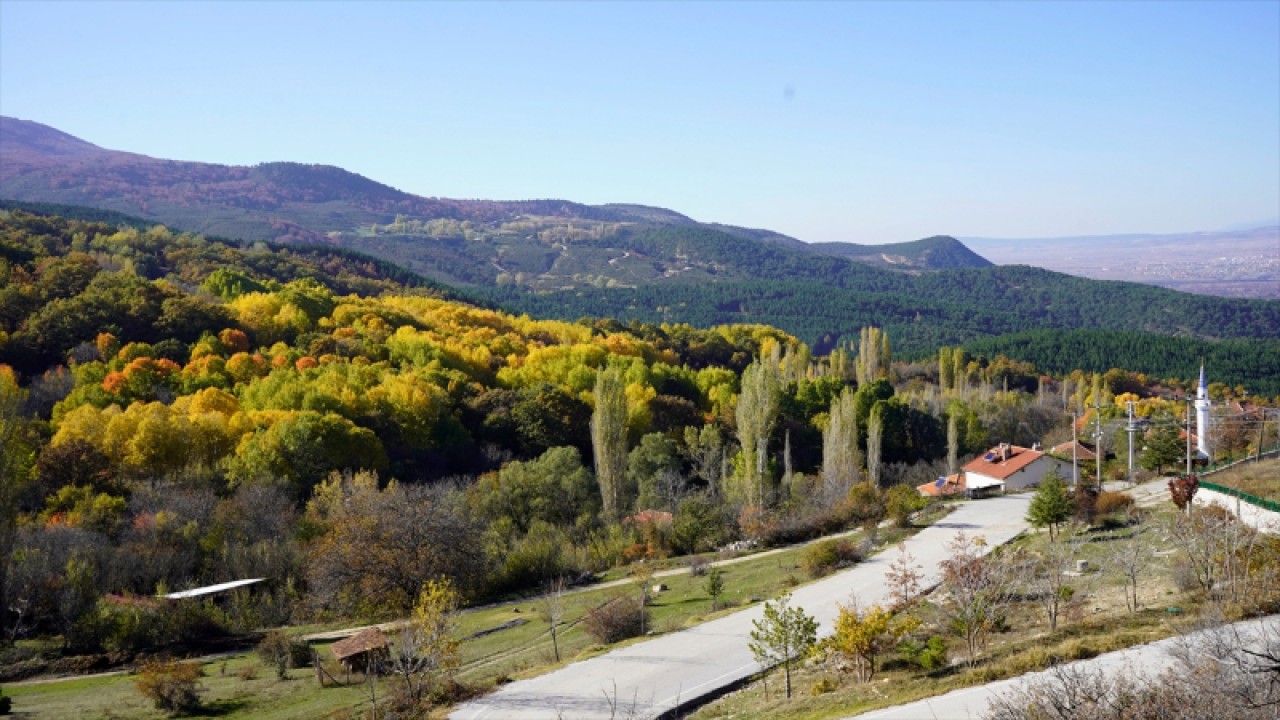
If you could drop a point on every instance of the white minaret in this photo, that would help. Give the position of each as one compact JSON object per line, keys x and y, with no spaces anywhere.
{"x":1202,"y":415}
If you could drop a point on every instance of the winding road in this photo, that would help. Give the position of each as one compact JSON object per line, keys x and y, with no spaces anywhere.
{"x":653,"y":677}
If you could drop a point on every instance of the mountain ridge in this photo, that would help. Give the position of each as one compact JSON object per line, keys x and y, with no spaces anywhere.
{"x":294,"y":202}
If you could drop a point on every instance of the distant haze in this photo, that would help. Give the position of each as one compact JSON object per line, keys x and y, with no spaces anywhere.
{"x":1241,"y":263}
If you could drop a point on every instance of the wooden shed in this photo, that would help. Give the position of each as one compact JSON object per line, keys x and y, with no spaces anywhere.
{"x":362,"y":650}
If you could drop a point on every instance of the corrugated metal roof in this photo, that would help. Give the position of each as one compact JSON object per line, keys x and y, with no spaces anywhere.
{"x":210,"y":589}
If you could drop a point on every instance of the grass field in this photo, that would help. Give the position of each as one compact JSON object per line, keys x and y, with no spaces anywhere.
{"x":1261,"y":479}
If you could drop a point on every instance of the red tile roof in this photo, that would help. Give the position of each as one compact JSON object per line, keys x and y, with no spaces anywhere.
{"x":1002,"y":461}
{"x":1064,"y":451}
{"x":950,"y":485}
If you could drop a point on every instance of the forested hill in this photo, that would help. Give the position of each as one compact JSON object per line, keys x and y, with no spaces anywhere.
{"x":539,"y":244}
{"x":963,"y":308}
{"x":940,"y":252}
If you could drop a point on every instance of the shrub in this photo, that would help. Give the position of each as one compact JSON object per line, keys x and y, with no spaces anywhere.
{"x":6,"y":703}
{"x":618,"y":619}
{"x":901,"y":502}
{"x":173,"y":686}
{"x":1113,"y":502}
{"x":822,"y":557}
{"x":928,"y":655}
{"x":282,"y":652}
{"x":698,"y":566}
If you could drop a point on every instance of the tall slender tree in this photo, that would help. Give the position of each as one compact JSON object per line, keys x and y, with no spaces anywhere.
{"x":953,"y":443}
{"x":609,"y":440}
{"x":841,"y":456}
{"x":875,"y":438}
{"x":758,"y":407}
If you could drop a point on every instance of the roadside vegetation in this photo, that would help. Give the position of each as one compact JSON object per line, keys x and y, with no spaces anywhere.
{"x":1113,"y":576}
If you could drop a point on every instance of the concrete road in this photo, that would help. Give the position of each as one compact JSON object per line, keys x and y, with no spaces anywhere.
{"x":1146,"y":661}
{"x":649,"y":678}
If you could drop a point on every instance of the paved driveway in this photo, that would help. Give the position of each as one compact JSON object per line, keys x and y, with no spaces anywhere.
{"x":649,"y":678}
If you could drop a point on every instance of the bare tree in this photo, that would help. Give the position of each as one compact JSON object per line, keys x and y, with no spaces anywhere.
{"x":978,"y":591}
{"x":1048,"y":575}
{"x":553,"y":611}
{"x":1130,"y":558}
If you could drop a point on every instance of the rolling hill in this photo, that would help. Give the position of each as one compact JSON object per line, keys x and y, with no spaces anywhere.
{"x":539,"y":244}
{"x":631,"y":263}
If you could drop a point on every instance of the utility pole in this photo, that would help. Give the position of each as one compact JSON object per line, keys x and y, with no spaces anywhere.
{"x":1131,"y":428}
{"x":1257,"y":456}
{"x":1075,"y":445}
{"x":1097,"y":439}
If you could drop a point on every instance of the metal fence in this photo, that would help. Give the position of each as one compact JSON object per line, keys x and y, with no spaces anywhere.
{"x":1271,"y":505}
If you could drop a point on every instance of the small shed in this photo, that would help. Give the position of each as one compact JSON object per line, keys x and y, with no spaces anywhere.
{"x":361,"y":651}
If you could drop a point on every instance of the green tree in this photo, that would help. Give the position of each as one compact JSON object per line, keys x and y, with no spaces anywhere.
{"x":757,"y":411}
{"x":304,"y":447}
{"x":653,"y":467}
{"x":609,"y":440}
{"x":784,"y":634}
{"x":1163,"y":448}
{"x":1051,"y":505}
{"x":714,"y":586}
{"x":875,"y":443}
{"x":841,"y":456}
{"x":555,"y":488}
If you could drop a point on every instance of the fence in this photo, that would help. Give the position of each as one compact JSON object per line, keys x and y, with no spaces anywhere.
{"x":1271,"y":505}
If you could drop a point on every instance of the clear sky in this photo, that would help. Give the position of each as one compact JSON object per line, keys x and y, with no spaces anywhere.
{"x":862,"y":122}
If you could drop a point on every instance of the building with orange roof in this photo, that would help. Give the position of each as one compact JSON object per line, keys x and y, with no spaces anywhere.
{"x":1009,"y":467}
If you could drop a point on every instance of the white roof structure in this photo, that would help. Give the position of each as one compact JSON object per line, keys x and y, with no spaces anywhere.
{"x":210,"y":589}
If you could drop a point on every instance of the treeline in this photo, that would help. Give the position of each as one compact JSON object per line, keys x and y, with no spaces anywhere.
{"x":1254,"y":364}
{"x":828,"y":317}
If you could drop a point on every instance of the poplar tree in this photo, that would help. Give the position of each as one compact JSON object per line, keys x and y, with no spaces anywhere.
{"x":609,"y":440}
{"x":841,"y":456}
{"x":946,"y":369}
{"x":758,"y":407}
{"x":875,"y":436}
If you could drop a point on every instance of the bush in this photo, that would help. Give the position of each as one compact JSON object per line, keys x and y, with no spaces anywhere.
{"x":173,"y":686}
{"x":1113,"y":502}
{"x":822,"y":557}
{"x":281,"y":652}
{"x":698,"y":566}
{"x":618,"y":619}
{"x":901,"y":502}
{"x":6,"y":703}
{"x":928,"y":655}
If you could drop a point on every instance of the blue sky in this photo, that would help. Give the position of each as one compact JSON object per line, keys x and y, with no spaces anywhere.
{"x":860,"y":122}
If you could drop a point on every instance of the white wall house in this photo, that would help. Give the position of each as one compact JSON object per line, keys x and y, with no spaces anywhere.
{"x":1010,"y":467}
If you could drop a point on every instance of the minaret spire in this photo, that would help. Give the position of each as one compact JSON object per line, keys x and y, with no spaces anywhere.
{"x":1202,"y":415}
